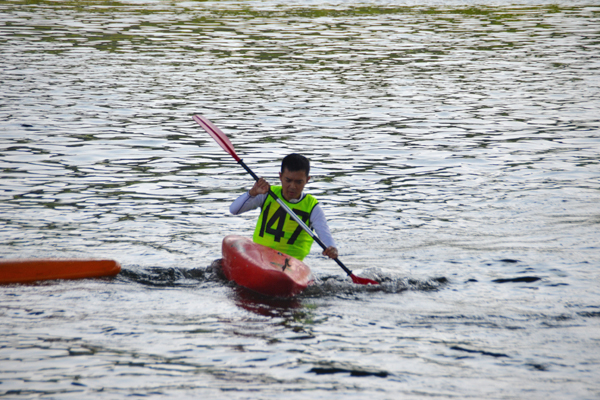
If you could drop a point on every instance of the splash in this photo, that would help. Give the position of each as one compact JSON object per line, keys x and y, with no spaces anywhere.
{"x":389,"y":282}
{"x":325,"y":285}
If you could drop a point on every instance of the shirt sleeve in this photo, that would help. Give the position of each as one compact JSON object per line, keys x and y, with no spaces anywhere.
{"x":319,"y":223}
{"x":246,"y":203}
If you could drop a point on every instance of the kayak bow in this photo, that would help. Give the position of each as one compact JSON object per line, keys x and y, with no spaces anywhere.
{"x":263,"y":269}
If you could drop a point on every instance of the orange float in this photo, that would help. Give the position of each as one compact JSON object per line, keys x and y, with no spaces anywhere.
{"x":31,"y":270}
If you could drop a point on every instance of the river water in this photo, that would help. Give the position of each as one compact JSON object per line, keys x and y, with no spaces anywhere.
{"x":455,"y":151}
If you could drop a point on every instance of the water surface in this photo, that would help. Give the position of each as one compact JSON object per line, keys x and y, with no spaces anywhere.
{"x":454,"y":148}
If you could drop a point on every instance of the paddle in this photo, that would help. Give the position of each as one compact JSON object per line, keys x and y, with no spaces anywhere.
{"x":224,"y":142}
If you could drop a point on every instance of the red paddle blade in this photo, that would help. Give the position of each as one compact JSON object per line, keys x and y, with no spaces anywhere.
{"x":216,"y":134}
{"x":363,"y":281}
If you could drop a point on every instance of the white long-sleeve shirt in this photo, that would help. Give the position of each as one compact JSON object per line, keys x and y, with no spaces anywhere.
{"x":318,"y":222}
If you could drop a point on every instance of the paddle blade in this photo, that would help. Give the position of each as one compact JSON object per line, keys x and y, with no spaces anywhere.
{"x":216,"y":134}
{"x":363,"y":281}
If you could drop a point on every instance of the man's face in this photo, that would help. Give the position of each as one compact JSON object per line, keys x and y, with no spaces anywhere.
{"x":293,"y":183}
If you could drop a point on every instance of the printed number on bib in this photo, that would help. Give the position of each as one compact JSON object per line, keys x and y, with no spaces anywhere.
{"x":275,"y":224}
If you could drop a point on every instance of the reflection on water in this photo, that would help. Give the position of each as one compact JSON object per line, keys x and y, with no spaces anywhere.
{"x":454,"y":149}
{"x":433,"y":106}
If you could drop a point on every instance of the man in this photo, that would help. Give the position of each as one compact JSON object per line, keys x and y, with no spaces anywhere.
{"x":274,"y":227}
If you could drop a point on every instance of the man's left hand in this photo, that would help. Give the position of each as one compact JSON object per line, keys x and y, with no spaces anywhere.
{"x":330,"y":252}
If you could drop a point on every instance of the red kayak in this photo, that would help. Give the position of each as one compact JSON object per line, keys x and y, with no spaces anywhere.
{"x":262,"y":269}
{"x":23,"y":271}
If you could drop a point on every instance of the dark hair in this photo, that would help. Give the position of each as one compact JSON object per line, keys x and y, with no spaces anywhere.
{"x":295,"y":162}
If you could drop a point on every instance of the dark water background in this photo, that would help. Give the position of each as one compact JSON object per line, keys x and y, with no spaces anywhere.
{"x":455,"y":151}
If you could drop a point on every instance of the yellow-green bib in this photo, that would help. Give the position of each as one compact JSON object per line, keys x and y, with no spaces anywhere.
{"x":276,"y":229}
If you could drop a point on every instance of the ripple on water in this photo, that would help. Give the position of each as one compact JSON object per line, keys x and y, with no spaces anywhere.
{"x":454,"y":148}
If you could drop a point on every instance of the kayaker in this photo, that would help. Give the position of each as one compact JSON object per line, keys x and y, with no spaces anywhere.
{"x":274,"y":227}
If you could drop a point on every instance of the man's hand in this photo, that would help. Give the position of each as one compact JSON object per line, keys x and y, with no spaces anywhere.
{"x":330,"y":252}
{"x":260,"y":187}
